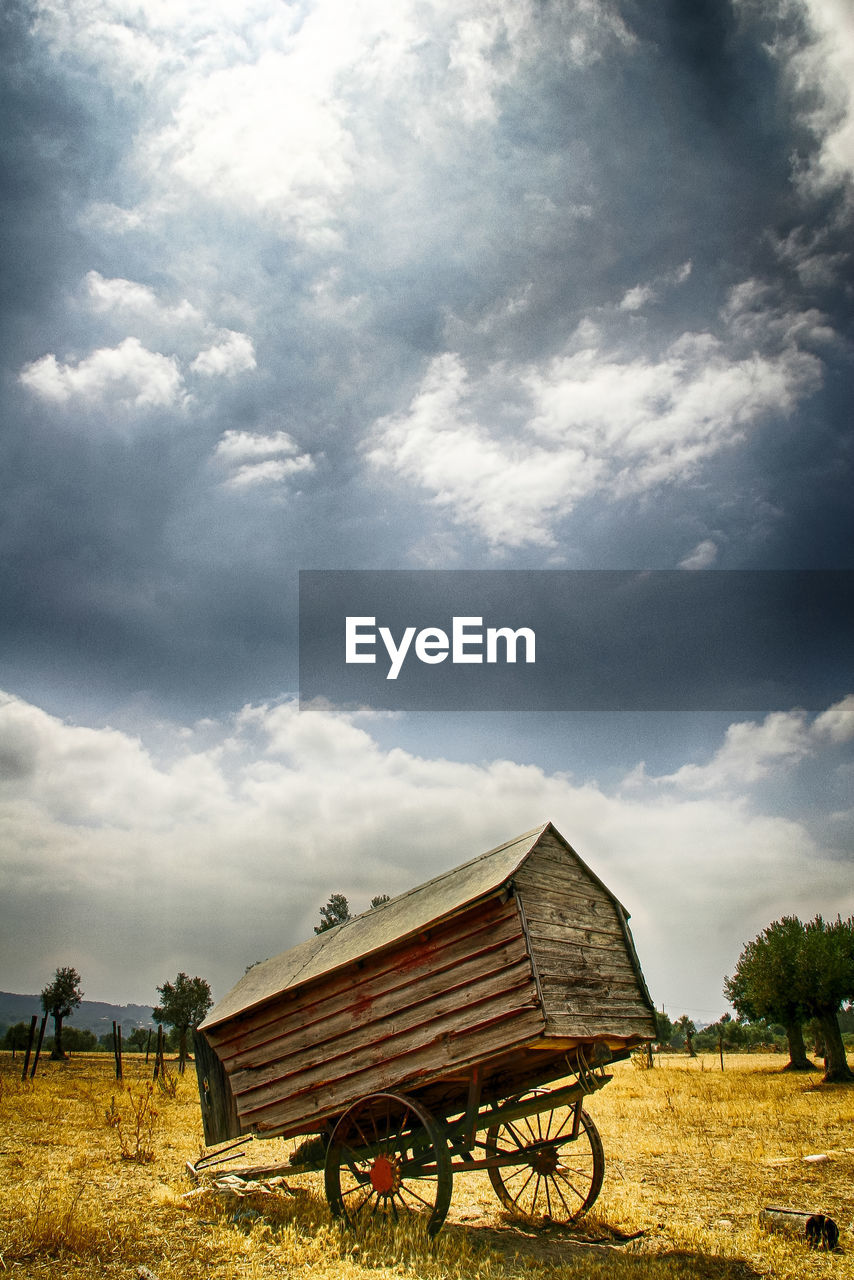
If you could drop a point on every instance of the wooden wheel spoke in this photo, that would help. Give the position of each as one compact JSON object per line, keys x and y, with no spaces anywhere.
{"x":365,"y":1140}
{"x":559,"y":1173}
{"x":368,"y":1198}
{"x":536,"y":1193}
{"x":349,"y":1191}
{"x":561,"y":1128}
{"x":521,"y":1190}
{"x":415,"y":1196}
{"x":521,"y":1142}
{"x":562,"y":1200}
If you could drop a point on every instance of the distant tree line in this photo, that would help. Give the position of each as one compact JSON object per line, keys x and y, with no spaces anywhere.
{"x":183,"y":1005}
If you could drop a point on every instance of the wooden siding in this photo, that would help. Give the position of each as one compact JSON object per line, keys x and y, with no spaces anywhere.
{"x":581,"y":948}
{"x":457,"y":994}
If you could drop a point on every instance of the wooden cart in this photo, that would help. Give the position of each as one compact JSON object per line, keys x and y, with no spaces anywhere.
{"x":417,"y":1039}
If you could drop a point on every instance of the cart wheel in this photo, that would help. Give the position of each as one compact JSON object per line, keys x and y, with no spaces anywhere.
{"x":388,"y":1157}
{"x":560,"y":1177}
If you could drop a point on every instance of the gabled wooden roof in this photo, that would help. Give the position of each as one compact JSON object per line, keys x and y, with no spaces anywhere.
{"x":407,"y":914}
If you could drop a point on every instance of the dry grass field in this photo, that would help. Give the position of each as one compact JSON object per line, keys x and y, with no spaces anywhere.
{"x":93,"y":1183}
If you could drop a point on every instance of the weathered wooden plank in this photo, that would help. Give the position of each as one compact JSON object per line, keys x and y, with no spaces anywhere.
{"x":325,"y":1019}
{"x":449,"y":1027}
{"x":580,"y":963}
{"x":583,"y":1010}
{"x":551,"y":854}
{"x":542,"y":935}
{"x":302,"y":1051}
{"x":483,"y":929}
{"x":635,"y":1029}
{"x":577,"y":899}
{"x":553,"y":878}
{"x":575,"y":932}
{"x":620,"y":991}
{"x":307,"y":1111}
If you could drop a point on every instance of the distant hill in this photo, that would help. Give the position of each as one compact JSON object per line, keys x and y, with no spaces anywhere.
{"x":93,"y":1015}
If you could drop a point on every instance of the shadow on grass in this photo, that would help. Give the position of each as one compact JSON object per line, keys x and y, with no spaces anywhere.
{"x":602,"y":1252}
{"x":591,"y":1251}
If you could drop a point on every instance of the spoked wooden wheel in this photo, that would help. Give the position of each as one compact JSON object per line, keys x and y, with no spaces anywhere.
{"x":549,"y":1174}
{"x":388,"y":1159}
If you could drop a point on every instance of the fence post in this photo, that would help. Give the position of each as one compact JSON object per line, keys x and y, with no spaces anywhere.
{"x":117,"y":1048}
{"x":147,"y":1046}
{"x":38,"y":1048}
{"x":33,"y":1022}
{"x":158,"y":1055}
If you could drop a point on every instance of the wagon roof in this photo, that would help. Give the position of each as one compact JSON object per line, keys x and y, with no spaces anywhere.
{"x":390,"y":922}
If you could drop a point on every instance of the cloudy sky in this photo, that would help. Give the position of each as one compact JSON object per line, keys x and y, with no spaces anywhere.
{"x":431,"y":284}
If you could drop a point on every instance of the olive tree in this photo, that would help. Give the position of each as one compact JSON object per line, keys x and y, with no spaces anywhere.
{"x":768,"y":983}
{"x":59,"y":999}
{"x":827,"y":964}
{"x":183,"y":1005}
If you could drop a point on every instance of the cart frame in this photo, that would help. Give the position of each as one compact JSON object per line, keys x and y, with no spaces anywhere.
{"x":387,"y":1155}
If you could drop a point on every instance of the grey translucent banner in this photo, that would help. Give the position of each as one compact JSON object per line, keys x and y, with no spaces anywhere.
{"x":585,"y":640}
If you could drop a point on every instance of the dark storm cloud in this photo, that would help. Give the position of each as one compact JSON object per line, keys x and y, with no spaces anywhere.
{"x":568,"y":179}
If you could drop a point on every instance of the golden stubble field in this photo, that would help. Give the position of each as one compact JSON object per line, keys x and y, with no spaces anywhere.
{"x":93,"y":1184}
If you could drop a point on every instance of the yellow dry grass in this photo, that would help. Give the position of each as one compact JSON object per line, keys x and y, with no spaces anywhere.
{"x":93,"y":1184}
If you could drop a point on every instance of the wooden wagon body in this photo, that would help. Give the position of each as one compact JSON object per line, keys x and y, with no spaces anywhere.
{"x":511,"y":971}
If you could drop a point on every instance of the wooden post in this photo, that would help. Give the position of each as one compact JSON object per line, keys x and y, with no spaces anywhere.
{"x":38,"y":1048}
{"x":33,"y":1022}
{"x":117,"y":1048}
{"x":147,"y":1046}
{"x":159,"y":1064}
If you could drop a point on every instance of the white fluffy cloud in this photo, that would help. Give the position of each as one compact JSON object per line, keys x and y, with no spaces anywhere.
{"x":253,"y":458}
{"x":137,"y":299}
{"x":131,"y":375}
{"x":219,"y":850}
{"x":128,"y":375}
{"x":595,"y":419}
{"x":233,"y":353}
{"x":703,"y":556}
{"x":752,"y":751}
{"x":822,"y":73}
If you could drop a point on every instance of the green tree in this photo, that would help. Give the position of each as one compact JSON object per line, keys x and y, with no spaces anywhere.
{"x":336,"y":911}
{"x":183,"y":1005}
{"x":79,"y":1040}
{"x":687,"y":1030}
{"x":59,"y":999}
{"x":769,"y":983}
{"x":827,"y":970}
{"x":17,"y":1037}
{"x":137,"y":1040}
{"x":664,"y":1028}
{"x":379,"y":900}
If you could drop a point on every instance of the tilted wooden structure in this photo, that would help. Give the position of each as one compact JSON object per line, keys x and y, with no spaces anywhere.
{"x":507,"y":971}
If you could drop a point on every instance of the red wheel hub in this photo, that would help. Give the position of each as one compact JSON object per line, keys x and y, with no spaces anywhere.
{"x":385,"y":1175}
